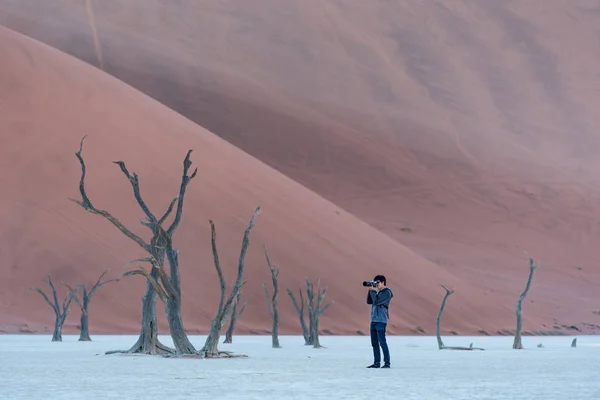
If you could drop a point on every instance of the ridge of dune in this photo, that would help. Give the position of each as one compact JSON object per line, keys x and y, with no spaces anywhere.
{"x":50,"y":99}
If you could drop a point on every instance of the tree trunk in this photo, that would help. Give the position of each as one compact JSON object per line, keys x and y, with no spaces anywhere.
{"x":84,"y":334}
{"x":58,"y":325}
{"x":180,"y":339}
{"x":311,"y":328}
{"x":84,"y":331}
{"x":211,"y":346}
{"x":315,"y":333}
{"x":229,"y":333}
{"x":148,"y":342}
{"x":272,"y":302}
{"x":300,"y":311}
{"x":275,"y":335}
{"x":518,"y":344}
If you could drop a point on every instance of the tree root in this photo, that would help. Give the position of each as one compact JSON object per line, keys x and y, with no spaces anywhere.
{"x":137,"y":348}
{"x":461,"y":348}
{"x":203,"y":354}
{"x":225,"y":354}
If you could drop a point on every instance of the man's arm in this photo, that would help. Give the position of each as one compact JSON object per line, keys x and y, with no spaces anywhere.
{"x":384,"y":296}
{"x":369,"y":298}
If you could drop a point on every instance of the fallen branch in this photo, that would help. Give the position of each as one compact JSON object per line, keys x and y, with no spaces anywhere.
{"x":441,"y":345}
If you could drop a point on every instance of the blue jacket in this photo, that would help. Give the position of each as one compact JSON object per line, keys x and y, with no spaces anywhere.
{"x":380,"y":301}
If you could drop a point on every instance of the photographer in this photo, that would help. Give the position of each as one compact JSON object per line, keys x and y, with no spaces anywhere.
{"x":379,"y":296}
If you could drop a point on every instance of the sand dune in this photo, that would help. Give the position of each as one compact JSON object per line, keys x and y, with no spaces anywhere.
{"x":465,"y":131}
{"x":50,"y":100}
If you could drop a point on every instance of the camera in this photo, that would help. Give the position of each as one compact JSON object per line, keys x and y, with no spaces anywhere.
{"x":369,"y":283}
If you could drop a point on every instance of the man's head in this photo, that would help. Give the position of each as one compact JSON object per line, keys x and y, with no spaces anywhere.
{"x":380,"y":280}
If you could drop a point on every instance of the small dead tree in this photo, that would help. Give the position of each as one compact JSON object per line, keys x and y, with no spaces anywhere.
{"x":299,"y":306}
{"x":235,"y":315}
{"x":210,"y":348}
{"x":517,"y":344}
{"x":315,"y":309}
{"x":59,"y":312}
{"x":439,"y":317}
{"x":441,"y":345}
{"x":159,"y":246}
{"x":84,"y":302}
{"x":272,"y":301}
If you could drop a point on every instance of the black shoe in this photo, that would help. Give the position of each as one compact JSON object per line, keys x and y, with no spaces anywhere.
{"x":386,"y":366}
{"x":373,"y":366}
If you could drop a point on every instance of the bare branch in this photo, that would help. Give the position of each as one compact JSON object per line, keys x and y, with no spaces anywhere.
{"x":272,"y":303}
{"x":239,"y":282}
{"x":322,"y":310}
{"x":268,"y":298}
{"x":299,"y":306}
{"x":135,"y":184}
{"x":242,"y":309}
{"x":168,"y":212}
{"x":245,"y":243}
{"x":74,"y":294}
{"x":99,"y":283}
{"x":185,"y":180}
{"x":88,"y":206}
{"x":322,"y":291}
{"x":41,"y":292}
{"x":159,"y":290}
{"x":223,"y":284}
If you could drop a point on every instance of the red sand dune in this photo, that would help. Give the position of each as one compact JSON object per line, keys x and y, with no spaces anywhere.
{"x":50,"y":100}
{"x":472,"y":123}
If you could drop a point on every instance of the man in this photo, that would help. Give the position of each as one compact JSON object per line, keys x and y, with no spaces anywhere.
{"x":379,"y":297}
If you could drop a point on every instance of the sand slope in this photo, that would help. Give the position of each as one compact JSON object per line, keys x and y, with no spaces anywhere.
{"x":471,"y":124}
{"x":50,"y":100}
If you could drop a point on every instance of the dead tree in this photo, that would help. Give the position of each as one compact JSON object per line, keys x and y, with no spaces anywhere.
{"x":441,"y":345}
{"x":234,"y":316}
{"x":517,"y":344}
{"x":315,"y":309}
{"x":59,"y":312}
{"x":272,"y":301}
{"x":84,"y":302}
{"x":167,"y":286}
{"x":299,"y":306}
{"x":439,"y":317}
{"x":210,"y":348}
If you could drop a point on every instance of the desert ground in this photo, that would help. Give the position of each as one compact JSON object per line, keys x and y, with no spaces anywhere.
{"x":33,"y":367}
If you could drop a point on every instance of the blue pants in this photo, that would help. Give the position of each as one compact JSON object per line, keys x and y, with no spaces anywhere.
{"x":378,"y":339}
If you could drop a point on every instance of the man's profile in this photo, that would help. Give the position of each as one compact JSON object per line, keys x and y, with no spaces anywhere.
{"x":379,"y":297}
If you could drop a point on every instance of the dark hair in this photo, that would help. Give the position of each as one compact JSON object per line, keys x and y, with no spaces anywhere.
{"x":380,"y":278}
